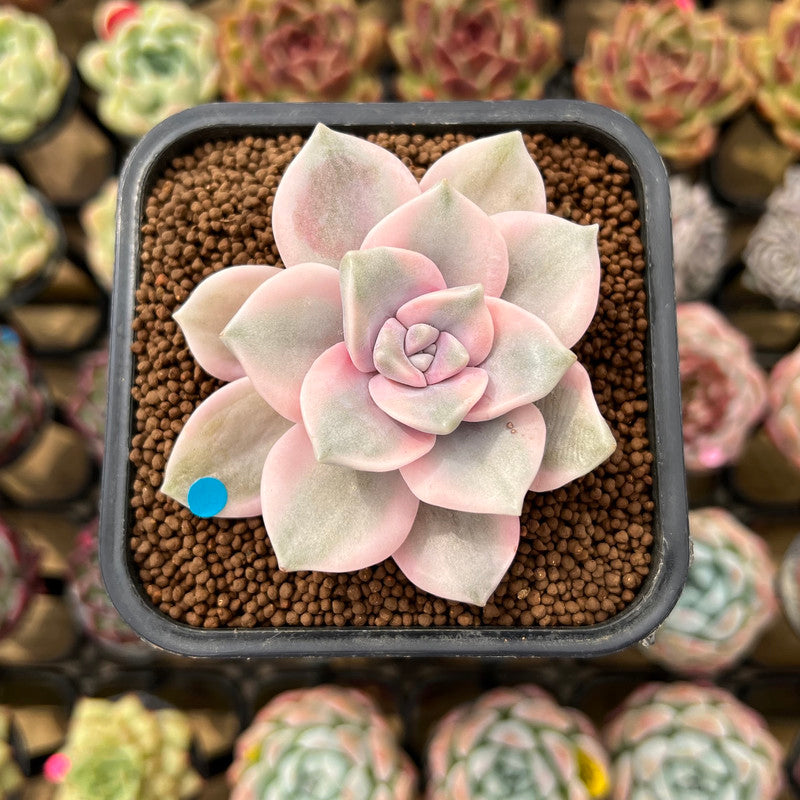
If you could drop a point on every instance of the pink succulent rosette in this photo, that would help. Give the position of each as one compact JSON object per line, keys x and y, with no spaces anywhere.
{"x":783,"y":398}
{"x":727,"y":602}
{"x":683,"y":740}
{"x":403,"y":383}
{"x":723,"y":389}
{"x":516,"y":743}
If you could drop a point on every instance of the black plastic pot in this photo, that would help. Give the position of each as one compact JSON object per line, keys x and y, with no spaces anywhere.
{"x":670,"y":554}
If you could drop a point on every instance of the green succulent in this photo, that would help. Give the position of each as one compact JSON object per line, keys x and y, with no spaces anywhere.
{"x":98,"y":218}
{"x":35,"y":74}
{"x":156,"y":62}
{"x":27,"y":237}
{"x":10,"y":775}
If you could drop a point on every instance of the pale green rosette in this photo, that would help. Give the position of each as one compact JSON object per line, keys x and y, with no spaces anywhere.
{"x":681,"y":741}
{"x":27,"y":237}
{"x":156,"y":63}
{"x":34,"y":74}
{"x":98,"y":218}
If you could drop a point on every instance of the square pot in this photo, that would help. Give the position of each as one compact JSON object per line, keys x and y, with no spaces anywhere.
{"x":606,"y":129}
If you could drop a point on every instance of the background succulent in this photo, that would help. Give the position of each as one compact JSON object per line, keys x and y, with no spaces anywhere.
{"x":478,"y":49}
{"x":783,"y":398}
{"x":680,"y":740}
{"x":35,"y":74}
{"x":675,"y":70}
{"x":728,"y":600}
{"x":319,"y":744}
{"x":774,"y":56}
{"x":27,"y":237}
{"x":156,"y":62}
{"x":699,"y":238}
{"x":98,"y":218}
{"x":515,"y":742}
{"x":119,"y":748}
{"x":10,"y":775}
{"x":17,"y":577}
{"x":772,"y":254}
{"x":86,"y":408}
{"x":723,"y":389}
{"x":284,"y":50}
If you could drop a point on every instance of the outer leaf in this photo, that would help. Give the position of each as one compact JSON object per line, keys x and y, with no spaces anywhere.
{"x":554,"y":270}
{"x":461,"y":557}
{"x":279,"y":332}
{"x":438,"y":408}
{"x":495,"y":172}
{"x":483,"y":467}
{"x":452,"y":232}
{"x":344,"y":424}
{"x":210,"y":308}
{"x":335,"y":190}
{"x":578,"y":438}
{"x":227,"y":437}
{"x":374,"y":284}
{"x":461,"y":311}
{"x":330,"y":518}
{"x":526,"y":362}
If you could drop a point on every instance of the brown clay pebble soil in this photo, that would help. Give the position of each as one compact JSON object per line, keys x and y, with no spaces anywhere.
{"x":585,"y":548}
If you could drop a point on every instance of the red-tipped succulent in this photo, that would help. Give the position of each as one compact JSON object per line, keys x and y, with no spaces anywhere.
{"x":403,"y":404}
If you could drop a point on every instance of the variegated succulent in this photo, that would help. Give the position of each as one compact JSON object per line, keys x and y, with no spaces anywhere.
{"x":35,"y":74}
{"x":402,"y":405}
{"x":17,"y":578}
{"x":772,"y":254}
{"x":474,"y":49}
{"x":10,"y":774}
{"x":727,"y":602}
{"x":783,"y":401}
{"x":27,"y":237}
{"x":682,"y":740}
{"x":86,"y":409}
{"x":789,"y":584}
{"x":286,"y":50}
{"x":699,"y":238}
{"x":120,"y":749}
{"x":322,"y":743}
{"x":723,"y":389}
{"x":155,"y":60}
{"x":22,"y":402}
{"x":98,"y":219}
{"x":774,"y":56}
{"x":516,"y":743}
{"x":677,"y":71}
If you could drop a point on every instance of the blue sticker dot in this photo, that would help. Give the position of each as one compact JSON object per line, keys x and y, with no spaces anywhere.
{"x":8,"y":335}
{"x":207,"y":497}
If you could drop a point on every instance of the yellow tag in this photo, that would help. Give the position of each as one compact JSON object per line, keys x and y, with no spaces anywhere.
{"x":593,"y":775}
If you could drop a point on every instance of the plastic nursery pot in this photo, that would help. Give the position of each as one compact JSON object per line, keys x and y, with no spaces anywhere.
{"x":602,"y":128}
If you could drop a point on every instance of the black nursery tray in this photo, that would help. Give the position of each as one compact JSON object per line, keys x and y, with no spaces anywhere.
{"x":556,"y":118}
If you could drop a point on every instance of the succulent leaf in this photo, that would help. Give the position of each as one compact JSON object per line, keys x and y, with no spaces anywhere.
{"x":333,"y":193}
{"x":783,"y":397}
{"x":331,"y":518}
{"x":456,"y":555}
{"x":210,"y":307}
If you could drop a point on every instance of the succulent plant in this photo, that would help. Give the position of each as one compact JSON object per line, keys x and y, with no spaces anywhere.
{"x":22,"y":404}
{"x":10,"y":774}
{"x":98,"y":218}
{"x":98,"y":617}
{"x":35,"y":74}
{"x":17,"y":578}
{"x":675,"y":70}
{"x":119,"y":749}
{"x":772,"y":254}
{"x":478,"y":49}
{"x":774,"y":56}
{"x":27,"y":237}
{"x":156,"y":59}
{"x":789,"y":586}
{"x":682,"y":740}
{"x":359,"y":380}
{"x":319,"y":744}
{"x":723,"y":389}
{"x":728,"y":600}
{"x":285,"y":50}
{"x":86,"y":409}
{"x":783,"y":399}
{"x":699,"y":238}
{"x":516,"y":742}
